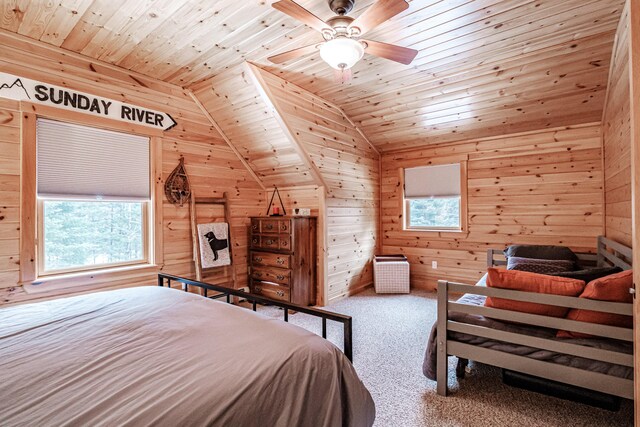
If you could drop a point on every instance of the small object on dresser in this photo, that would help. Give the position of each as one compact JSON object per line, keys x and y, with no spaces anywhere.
{"x":391,"y":274}
{"x":302,"y":212}
{"x":276,"y":209}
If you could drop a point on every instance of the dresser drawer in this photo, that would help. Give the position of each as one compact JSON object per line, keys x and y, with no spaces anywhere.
{"x":284,"y":242}
{"x":274,"y":275}
{"x":270,"y":259}
{"x":284,"y":226}
{"x":268,"y":226}
{"x":270,"y":242}
{"x":270,"y":291}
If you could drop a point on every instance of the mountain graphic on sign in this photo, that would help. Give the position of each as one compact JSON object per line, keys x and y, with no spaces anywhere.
{"x":16,"y":84}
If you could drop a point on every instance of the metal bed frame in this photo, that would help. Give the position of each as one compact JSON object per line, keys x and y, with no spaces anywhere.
{"x":609,"y":253}
{"x":222,"y":292}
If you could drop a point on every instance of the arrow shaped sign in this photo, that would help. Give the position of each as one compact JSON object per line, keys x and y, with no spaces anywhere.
{"x":22,"y":89}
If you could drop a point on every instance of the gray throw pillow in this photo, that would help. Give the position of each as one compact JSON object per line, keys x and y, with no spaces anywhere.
{"x":590,"y":274}
{"x":540,"y":266}
{"x":540,"y":252}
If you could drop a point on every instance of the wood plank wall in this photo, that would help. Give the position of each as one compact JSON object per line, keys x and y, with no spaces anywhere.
{"x":349,"y":166}
{"x":541,"y":187}
{"x":617,"y":140}
{"x":298,"y":197}
{"x":212,"y":165}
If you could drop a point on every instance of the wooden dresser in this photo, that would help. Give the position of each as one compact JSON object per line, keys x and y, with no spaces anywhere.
{"x":282,"y":261}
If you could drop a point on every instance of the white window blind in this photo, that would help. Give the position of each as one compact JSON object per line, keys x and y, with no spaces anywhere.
{"x":432,"y":181}
{"x":86,"y":162}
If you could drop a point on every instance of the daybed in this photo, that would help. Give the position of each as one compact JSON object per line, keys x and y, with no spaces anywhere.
{"x":527,"y":343}
{"x":160,"y":356}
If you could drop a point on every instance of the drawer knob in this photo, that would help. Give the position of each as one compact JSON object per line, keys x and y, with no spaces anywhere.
{"x":255,"y":226}
{"x":269,"y":226}
{"x":280,"y":293}
{"x":270,"y":242}
{"x":257,"y":288}
{"x":257,"y":259}
{"x":255,"y":240}
{"x":284,"y":226}
{"x":280,"y":261}
{"x":259,"y":274}
{"x":280,"y":277}
{"x":284,"y":243}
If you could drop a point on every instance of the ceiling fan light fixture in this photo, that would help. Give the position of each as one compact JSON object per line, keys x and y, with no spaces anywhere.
{"x":341,"y":53}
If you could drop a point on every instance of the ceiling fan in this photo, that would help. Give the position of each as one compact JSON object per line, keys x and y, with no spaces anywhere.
{"x":343,"y":47}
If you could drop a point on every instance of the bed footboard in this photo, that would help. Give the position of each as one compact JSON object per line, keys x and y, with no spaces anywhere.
{"x":578,"y":377}
{"x":228,"y":293}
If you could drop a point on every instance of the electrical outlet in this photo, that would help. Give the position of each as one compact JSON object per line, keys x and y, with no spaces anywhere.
{"x":434,"y":265}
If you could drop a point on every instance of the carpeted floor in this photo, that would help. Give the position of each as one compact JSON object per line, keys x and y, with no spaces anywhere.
{"x":390,"y":334}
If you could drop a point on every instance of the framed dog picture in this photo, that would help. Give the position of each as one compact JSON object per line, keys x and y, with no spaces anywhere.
{"x":214,"y":244}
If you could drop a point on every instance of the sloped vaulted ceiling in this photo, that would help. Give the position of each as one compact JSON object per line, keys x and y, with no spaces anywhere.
{"x":246,"y":118}
{"x":291,"y":137}
{"x":485,"y":67}
{"x":349,"y":166}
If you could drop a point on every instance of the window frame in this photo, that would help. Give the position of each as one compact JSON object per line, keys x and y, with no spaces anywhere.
{"x":146,"y":243}
{"x":30,"y":211}
{"x":406,"y":211}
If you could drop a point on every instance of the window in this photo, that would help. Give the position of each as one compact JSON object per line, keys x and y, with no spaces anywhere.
{"x":82,"y":234}
{"x":93,"y":190}
{"x":433,"y":197}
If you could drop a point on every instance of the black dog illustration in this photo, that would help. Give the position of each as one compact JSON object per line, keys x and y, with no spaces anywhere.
{"x":216,"y":244}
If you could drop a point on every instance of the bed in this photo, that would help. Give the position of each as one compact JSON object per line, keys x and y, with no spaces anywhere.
{"x":161,"y":356}
{"x":526,"y":343}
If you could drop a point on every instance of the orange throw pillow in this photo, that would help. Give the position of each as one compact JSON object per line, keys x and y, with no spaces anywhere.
{"x":614,"y":288}
{"x":531,"y":282}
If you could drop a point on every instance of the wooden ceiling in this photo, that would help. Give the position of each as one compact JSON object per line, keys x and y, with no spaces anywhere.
{"x":485,"y":67}
{"x":237,"y":104}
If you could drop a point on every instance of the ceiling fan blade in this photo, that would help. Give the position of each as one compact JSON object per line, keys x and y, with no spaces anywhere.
{"x":293,"y":54}
{"x":381,"y":11}
{"x":298,"y":12}
{"x":400,"y":54}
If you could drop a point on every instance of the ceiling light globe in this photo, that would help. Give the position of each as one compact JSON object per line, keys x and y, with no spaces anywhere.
{"x":341,"y":53}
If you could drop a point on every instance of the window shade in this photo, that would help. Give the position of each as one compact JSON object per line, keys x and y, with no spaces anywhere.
{"x":432,"y":181}
{"x":86,"y":162}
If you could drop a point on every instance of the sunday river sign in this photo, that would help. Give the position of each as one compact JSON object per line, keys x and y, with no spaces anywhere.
{"x":21,"y":89}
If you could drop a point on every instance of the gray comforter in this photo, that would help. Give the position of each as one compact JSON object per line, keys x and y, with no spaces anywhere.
{"x":155,"y":356}
{"x":429,"y":364}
